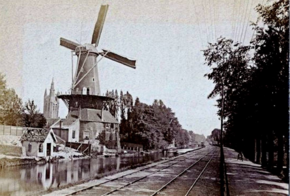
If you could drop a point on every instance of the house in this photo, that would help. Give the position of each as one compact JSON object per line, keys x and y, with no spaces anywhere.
{"x":38,"y":142}
{"x":67,"y":129}
{"x":84,"y":126}
{"x":93,"y":122}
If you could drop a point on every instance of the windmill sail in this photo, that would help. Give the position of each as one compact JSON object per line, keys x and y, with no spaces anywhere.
{"x":68,"y":44}
{"x":99,"y":25}
{"x":118,"y":58}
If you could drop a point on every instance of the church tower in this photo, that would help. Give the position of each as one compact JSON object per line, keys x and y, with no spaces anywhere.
{"x":51,"y":103}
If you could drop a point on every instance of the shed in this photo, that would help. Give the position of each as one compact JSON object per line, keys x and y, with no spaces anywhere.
{"x":38,"y":142}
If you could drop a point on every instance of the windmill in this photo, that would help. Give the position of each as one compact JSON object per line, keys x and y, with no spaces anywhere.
{"x":85,"y":103}
{"x":85,"y":88}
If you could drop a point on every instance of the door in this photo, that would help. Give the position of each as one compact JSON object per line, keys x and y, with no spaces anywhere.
{"x":48,"y":149}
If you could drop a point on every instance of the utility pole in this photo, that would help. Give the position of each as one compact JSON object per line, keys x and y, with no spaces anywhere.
{"x":222,"y":116}
{"x":221,"y":143}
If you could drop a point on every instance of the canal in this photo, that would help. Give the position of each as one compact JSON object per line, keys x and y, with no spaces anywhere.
{"x":32,"y":180}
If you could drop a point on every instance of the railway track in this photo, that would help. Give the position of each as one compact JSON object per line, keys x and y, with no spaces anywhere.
{"x":147,"y":172}
{"x":182,"y":173}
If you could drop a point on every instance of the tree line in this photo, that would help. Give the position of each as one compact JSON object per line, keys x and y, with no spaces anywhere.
{"x":154,"y":126}
{"x":253,"y":81}
{"x":13,"y":112}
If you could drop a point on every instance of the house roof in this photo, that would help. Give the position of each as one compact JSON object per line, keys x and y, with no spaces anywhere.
{"x":64,"y":123}
{"x":35,"y":135}
{"x":96,"y":116}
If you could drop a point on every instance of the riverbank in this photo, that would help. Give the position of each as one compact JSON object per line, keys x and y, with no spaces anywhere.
{"x":10,"y":156}
{"x":9,"y":161}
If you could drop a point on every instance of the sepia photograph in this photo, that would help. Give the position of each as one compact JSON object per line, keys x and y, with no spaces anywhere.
{"x":144,"y":98}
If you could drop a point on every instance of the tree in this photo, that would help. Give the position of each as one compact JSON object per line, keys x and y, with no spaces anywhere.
{"x":182,"y":138}
{"x":271,"y":57}
{"x":32,"y":117}
{"x":230,"y":69}
{"x":154,"y":126}
{"x":10,"y":104}
{"x":255,"y":90}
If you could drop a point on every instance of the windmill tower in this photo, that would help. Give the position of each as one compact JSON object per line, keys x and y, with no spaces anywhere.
{"x":85,"y":101}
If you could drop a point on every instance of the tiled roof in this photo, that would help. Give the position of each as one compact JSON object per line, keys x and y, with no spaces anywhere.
{"x":34,"y":135}
{"x":96,"y":116}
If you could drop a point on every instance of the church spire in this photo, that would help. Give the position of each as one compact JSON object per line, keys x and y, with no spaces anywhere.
{"x":52,"y":88}
{"x":52,"y":85}
{"x":51,"y":104}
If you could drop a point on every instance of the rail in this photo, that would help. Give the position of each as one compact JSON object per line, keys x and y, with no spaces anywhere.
{"x":181,"y":173}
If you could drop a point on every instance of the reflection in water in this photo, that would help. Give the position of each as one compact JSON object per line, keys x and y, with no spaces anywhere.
{"x":32,"y":179}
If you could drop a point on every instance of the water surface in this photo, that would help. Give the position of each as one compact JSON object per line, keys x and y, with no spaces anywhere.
{"x":31,"y":180}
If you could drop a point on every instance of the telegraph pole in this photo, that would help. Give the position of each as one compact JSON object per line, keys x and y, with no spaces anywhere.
{"x":221,"y":142}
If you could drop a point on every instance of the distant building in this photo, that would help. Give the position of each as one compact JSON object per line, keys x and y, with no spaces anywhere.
{"x":51,"y":103}
{"x":38,"y":142}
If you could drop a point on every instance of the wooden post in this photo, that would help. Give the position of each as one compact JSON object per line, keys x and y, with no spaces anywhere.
{"x":221,"y":144}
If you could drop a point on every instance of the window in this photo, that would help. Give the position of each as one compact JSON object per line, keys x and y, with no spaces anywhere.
{"x":84,"y":90}
{"x":112,"y":125}
{"x":86,"y":135}
{"x":40,"y":148}
{"x":74,"y":134}
{"x":29,"y":147}
{"x":88,"y":91}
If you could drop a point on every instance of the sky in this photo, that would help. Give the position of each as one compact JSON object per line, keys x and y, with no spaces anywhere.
{"x":165,"y":37}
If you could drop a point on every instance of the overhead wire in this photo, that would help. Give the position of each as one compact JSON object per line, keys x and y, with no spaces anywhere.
{"x":258,"y":18}
{"x":198,"y":21}
{"x":244,"y":21}
{"x":248,"y":20}
{"x":214,"y":18}
{"x":202,"y":3}
{"x":209,"y":21}
{"x":237,"y":20}
{"x":241,"y":21}
{"x":233,"y":18}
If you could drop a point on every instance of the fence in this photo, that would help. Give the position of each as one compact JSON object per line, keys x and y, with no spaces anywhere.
{"x":13,"y":130}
